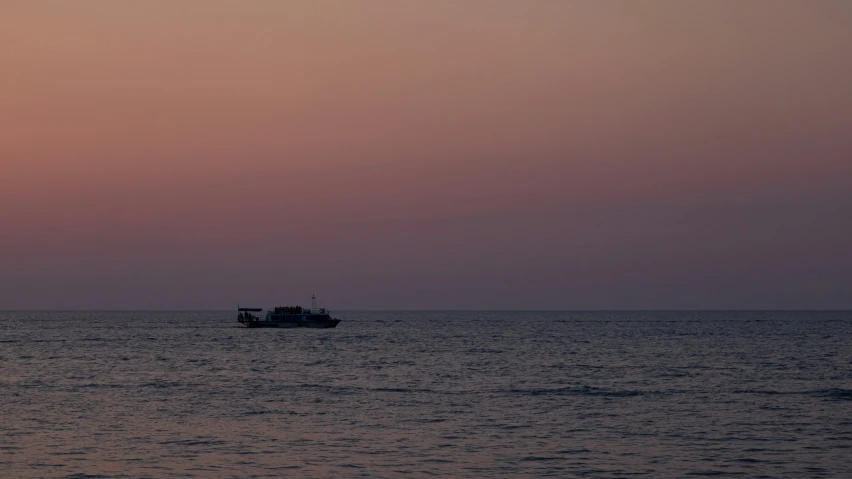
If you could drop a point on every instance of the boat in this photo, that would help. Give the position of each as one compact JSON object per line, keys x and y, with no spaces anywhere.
{"x":288,"y":317}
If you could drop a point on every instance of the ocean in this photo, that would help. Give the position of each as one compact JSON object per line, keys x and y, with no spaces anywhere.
{"x":423,"y":394}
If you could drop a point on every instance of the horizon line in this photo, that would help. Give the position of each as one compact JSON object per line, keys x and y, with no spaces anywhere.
{"x":674,"y":310}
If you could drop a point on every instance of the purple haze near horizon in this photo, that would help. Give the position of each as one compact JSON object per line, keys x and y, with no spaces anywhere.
{"x":436,"y":155}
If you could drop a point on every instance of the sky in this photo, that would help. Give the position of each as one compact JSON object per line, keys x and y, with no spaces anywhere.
{"x":483,"y":154}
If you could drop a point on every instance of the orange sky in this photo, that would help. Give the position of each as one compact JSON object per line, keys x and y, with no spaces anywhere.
{"x":477,"y":154}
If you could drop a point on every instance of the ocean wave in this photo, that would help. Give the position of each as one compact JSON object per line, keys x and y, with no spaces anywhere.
{"x":193,"y":442}
{"x":837,"y":394}
{"x":586,"y":391}
{"x":831,"y":393}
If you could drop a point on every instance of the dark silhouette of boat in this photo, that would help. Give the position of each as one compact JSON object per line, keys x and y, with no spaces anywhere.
{"x":288,"y":317}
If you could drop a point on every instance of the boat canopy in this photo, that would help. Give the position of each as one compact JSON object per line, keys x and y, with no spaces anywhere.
{"x":253,"y":310}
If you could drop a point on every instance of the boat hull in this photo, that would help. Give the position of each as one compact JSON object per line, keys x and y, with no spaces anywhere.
{"x":331,"y":323}
{"x":287,"y":317}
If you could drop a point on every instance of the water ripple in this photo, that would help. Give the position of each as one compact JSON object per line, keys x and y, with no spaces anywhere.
{"x":442,"y":394}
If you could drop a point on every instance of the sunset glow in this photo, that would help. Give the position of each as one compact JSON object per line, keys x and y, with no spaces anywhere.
{"x":440,"y":154}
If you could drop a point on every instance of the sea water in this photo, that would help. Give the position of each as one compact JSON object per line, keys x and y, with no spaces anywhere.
{"x":425,"y":394}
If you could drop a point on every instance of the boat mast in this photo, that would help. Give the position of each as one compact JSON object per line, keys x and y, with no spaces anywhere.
{"x":313,"y":302}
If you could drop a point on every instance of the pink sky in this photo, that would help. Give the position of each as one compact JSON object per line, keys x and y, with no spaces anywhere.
{"x":441,"y":154}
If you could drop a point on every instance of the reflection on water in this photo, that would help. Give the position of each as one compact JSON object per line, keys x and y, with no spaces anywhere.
{"x":413,"y":394}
